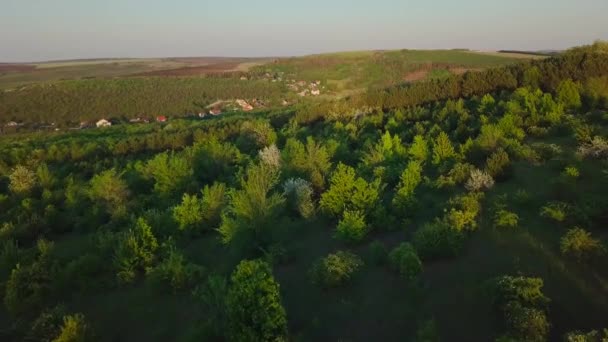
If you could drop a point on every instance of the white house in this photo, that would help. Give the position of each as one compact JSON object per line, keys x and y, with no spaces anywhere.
{"x":103,"y":123}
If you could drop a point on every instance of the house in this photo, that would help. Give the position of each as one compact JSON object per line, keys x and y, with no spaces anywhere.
{"x":12,"y":124}
{"x":303,"y":93}
{"x":102,"y":123}
{"x":315,"y":92}
{"x":201,"y":115}
{"x":161,"y":118}
{"x":215,"y":111}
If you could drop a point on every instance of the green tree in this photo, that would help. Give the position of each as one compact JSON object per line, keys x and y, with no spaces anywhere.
{"x":252,"y":208}
{"x":189,"y":213}
{"x":255,"y":312}
{"x":111,"y":190}
{"x":419,"y":149}
{"x":349,"y":192}
{"x":352,"y":227}
{"x":171,"y":172}
{"x":568,"y":94}
{"x":136,"y":251}
{"x":410,"y":179}
{"x":442,"y":149}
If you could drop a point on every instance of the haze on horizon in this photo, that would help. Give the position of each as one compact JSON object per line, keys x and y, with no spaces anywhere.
{"x":72,"y":29}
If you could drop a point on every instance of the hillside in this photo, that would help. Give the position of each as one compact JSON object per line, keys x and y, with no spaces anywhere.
{"x":470,"y":207}
{"x":70,"y":92}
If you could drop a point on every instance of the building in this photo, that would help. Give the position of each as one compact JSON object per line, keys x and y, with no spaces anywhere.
{"x":12,"y":124}
{"x":315,"y":92}
{"x":215,"y":111}
{"x":161,"y":118}
{"x":102,"y":123}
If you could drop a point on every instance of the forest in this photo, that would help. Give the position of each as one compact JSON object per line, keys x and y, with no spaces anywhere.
{"x":467,"y":208}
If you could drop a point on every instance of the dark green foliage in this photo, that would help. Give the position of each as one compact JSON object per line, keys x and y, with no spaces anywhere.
{"x":377,"y":252}
{"x":405,"y":261}
{"x":253,"y":302}
{"x":437,"y":240}
{"x":498,"y":165}
{"x":175,"y":273}
{"x":47,"y":326}
{"x":335,"y":269}
{"x":136,"y":251}
{"x":521,"y":305}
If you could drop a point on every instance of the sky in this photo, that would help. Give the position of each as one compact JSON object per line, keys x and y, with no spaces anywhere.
{"x":37,"y":30}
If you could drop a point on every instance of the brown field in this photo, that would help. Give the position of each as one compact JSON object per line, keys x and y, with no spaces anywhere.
{"x":4,"y":68}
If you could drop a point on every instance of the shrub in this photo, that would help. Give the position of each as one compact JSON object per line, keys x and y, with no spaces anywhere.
{"x":525,"y":323}
{"x":591,"y":336}
{"x":498,"y":163}
{"x":437,"y":240}
{"x":189,"y":213}
{"x":299,"y":197}
{"x":213,"y":202}
{"x":556,"y":211}
{"x":22,"y":180}
{"x":419,"y":150}
{"x":253,"y":303}
{"x":136,"y":251}
{"x":405,"y":261}
{"x":568,"y":94}
{"x":74,"y":329}
{"x":377,"y":253}
{"x":352,"y":227}
{"x":197,"y":213}
{"x":464,"y":211}
{"x":580,"y":245}
{"x":271,"y":156}
{"x":596,"y":148}
{"x":175,"y":272}
{"x":335,"y":269}
{"x":479,"y":181}
{"x":571,"y":172}
{"x":47,"y":326}
{"x":505,"y":219}
{"x":171,"y":172}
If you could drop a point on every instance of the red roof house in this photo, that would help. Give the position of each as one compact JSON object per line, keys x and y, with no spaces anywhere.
{"x":161,"y":118}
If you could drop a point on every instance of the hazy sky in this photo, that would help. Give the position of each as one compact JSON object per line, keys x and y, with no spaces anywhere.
{"x":62,"y":29}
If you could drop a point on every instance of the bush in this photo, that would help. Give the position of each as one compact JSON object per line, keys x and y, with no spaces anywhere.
{"x":505,"y":219}
{"x":111,"y":190}
{"x":571,"y":172}
{"x":580,"y":245}
{"x":299,"y":197}
{"x":74,"y":329}
{"x":335,"y":269}
{"x":22,"y":180}
{"x":591,"y":336}
{"x":479,"y":180}
{"x":556,"y":211}
{"x":405,"y":261}
{"x":464,"y":211}
{"x":271,"y":156}
{"x":437,"y":240}
{"x":597,"y":148}
{"x":189,"y":213}
{"x":47,"y":326}
{"x":175,"y":273}
{"x":253,"y":303}
{"x":377,"y":253}
{"x":498,"y":163}
{"x":352,"y":227}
